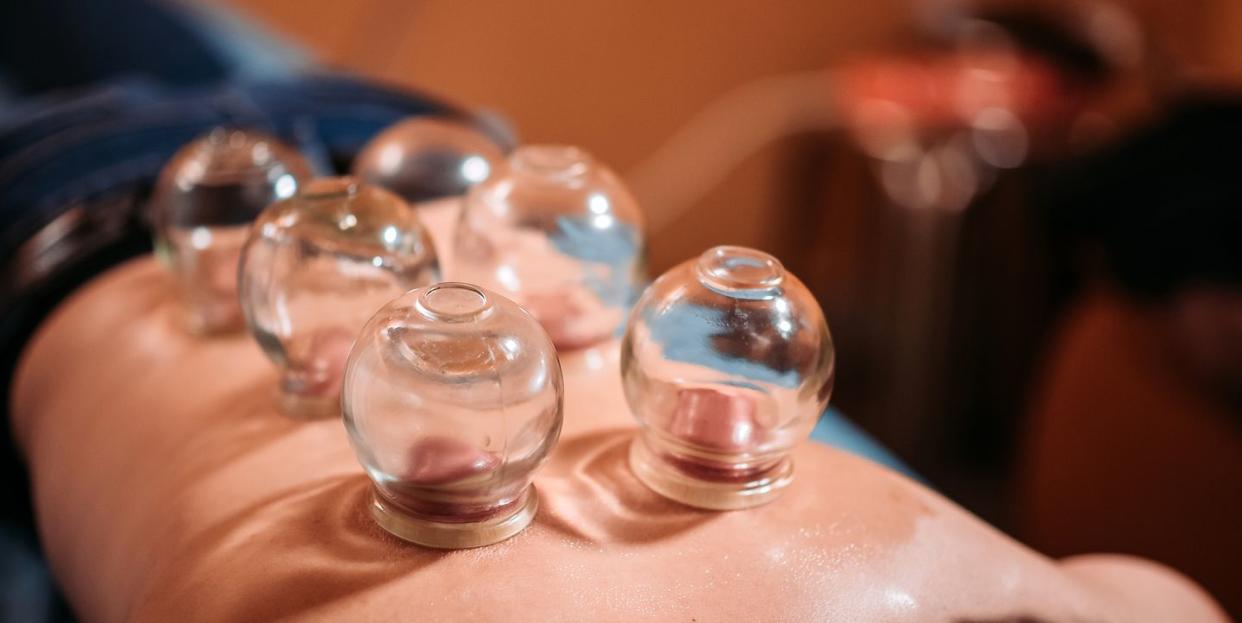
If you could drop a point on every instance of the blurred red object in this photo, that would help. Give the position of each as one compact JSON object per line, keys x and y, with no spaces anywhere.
{"x":950,"y":90}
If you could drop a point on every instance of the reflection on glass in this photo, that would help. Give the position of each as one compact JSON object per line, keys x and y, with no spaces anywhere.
{"x":203,"y":204}
{"x":727,"y":365}
{"x":426,"y":158}
{"x":452,"y":399}
{"x":559,"y":233}
{"x":315,"y":268}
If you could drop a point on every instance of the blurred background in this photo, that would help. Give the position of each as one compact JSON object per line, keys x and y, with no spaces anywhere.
{"x":1022,"y":218}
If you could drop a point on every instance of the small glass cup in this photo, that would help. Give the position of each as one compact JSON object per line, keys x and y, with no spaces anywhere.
{"x":727,"y":365}
{"x":202,"y":206}
{"x":559,"y":233}
{"x":315,"y":268}
{"x":426,"y":158}
{"x":452,"y":399}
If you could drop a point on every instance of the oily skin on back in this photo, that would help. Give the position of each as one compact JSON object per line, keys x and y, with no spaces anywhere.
{"x":169,"y":487}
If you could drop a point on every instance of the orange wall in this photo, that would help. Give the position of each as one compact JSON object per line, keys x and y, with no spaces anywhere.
{"x":616,"y":77}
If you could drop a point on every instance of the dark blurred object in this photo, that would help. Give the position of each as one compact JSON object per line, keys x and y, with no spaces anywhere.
{"x":57,"y":44}
{"x":1135,"y":441}
{"x":950,"y":280}
{"x":1127,"y":453}
{"x":1057,"y":40}
{"x":1164,"y":207}
{"x":423,"y":159}
{"x":946,"y":295}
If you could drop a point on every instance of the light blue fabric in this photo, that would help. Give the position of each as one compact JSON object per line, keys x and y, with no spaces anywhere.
{"x":839,"y":432}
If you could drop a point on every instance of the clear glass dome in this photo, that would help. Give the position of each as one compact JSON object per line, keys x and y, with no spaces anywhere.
{"x":560,"y":234}
{"x":315,"y":268}
{"x":426,"y":158}
{"x":203,"y":203}
{"x":452,"y":399}
{"x":727,"y":365}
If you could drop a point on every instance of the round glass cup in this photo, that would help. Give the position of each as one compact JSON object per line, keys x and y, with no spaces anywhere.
{"x":315,"y":268}
{"x":727,"y":364}
{"x":426,"y":158}
{"x":559,"y":233}
{"x":201,"y":209}
{"x":453,"y":398}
